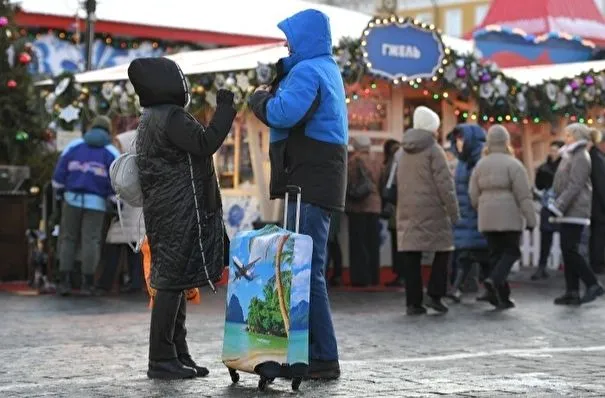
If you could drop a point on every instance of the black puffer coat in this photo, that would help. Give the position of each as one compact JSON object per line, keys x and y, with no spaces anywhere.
{"x":167,"y":134}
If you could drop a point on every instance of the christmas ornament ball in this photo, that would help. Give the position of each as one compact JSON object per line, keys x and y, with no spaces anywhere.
{"x":3,"y":22}
{"x":11,"y":84}
{"x":25,"y":58}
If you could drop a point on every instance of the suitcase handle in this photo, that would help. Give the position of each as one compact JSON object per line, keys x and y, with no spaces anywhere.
{"x":294,"y":189}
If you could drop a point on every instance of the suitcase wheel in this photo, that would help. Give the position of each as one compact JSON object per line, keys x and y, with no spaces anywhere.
{"x":262,"y":383}
{"x":296,"y":383}
{"x":234,"y":375}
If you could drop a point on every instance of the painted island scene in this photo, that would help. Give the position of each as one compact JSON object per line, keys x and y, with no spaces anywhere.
{"x":267,"y":316}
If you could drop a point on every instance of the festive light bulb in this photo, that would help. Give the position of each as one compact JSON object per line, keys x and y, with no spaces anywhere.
{"x":445,"y":95}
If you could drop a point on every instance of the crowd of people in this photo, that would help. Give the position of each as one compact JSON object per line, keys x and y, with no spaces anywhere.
{"x":471,"y":214}
{"x":468,"y":212}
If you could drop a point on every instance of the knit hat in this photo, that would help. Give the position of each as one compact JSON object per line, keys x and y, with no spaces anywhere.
{"x":102,"y":122}
{"x":426,"y":119}
{"x":361,"y":143}
{"x":579,"y":131}
{"x":497,"y":135}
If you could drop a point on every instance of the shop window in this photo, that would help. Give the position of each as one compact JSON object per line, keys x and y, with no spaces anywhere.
{"x":453,"y":22}
{"x":368,"y":104}
{"x":480,"y":13}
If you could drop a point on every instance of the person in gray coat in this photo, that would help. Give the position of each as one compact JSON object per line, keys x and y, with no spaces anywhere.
{"x":501,"y":193}
{"x":572,"y":206}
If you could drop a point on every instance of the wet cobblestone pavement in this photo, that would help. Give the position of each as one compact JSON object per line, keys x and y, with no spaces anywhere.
{"x":97,"y":347}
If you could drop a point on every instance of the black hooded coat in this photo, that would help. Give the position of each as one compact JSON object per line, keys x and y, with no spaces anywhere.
{"x":167,"y":134}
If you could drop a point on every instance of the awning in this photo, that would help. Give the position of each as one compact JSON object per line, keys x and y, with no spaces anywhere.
{"x":534,"y":75}
{"x":223,"y":60}
{"x":537,"y":17}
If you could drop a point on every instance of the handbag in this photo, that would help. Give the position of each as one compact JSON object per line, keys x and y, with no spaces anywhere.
{"x":362,"y":187}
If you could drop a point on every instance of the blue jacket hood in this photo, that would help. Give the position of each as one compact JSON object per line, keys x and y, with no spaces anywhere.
{"x":97,"y":137}
{"x":309,"y":36}
{"x":474,"y":140}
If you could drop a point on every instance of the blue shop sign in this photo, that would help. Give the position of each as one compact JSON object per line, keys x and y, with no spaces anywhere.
{"x":402,"y":51}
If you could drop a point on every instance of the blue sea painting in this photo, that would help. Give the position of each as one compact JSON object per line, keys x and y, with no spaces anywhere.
{"x":267,"y":314}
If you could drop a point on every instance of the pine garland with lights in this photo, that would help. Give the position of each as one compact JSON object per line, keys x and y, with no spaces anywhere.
{"x":463,"y":77}
{"x":21,"y":133}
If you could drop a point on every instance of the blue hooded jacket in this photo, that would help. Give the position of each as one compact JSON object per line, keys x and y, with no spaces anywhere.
{"x":466,"y":232}
{"x":82,"y":171}
{"x":307,"y":114}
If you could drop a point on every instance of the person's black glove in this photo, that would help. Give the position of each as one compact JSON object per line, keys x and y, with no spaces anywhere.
{"x":224,"y":97}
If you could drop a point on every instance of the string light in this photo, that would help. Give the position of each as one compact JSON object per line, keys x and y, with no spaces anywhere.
{"x":34,"y":34}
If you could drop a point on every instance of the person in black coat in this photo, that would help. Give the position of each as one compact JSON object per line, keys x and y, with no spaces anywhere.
{"x":597,"y":222}
{"x":544,"y":179}
{"x":181,"y":205}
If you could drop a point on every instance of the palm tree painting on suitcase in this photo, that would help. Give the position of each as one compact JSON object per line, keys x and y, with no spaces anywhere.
{"x":268,"y":299}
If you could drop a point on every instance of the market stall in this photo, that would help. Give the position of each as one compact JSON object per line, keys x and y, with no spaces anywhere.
{"x":396,"y":65}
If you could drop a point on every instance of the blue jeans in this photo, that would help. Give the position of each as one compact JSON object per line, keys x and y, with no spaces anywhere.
{"x":315,"y":222}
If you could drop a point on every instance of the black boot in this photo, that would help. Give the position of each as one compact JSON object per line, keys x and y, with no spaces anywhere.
{"x":569,"y":298}
{"x":540,"y":274}
{"x":169,"y":370}
{"x":437,"y":305}
{"x":186,"y":360}
{"x":64,"y":285}
{"x":413,"y":310}
{"x":592,"y":293}
{"x":88,"y":286}
{"x":455,"y":293}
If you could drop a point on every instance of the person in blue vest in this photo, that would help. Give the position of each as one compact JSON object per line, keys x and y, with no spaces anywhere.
{"x":81,"y":179}
{"x":306,"y":110}
{"x":471,"y":247}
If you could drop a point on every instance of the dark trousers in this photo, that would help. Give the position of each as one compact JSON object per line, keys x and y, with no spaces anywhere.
{"x":466,"y":260}
{"x":413,"y":276}
{"x":396,"y":260}
{"x":135,"y":266}
{"x":335,"y":257}
{"x":597,"y":246}
{"x":575,"y":264}
{"x":364,"y":248}
{"x":545,"y":246}
{"x":167,"y":333}
{"x":86,"y":227}
{"x":503,"y":253}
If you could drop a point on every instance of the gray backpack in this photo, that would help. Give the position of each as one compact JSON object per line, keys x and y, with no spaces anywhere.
{"x":124,"y":176}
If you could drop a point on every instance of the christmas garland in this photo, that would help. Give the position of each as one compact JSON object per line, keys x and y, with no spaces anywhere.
{"x":500,"y":98}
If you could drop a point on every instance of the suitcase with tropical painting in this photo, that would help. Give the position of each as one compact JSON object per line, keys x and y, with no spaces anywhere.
{"x":267,"y":316}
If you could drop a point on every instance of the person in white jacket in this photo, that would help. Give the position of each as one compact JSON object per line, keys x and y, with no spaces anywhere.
{"x":124,"y":237}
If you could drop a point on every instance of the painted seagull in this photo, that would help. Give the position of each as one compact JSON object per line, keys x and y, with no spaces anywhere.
{"x":244,"y":270}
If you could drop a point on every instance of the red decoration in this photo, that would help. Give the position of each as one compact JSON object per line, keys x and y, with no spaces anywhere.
{"x":11,"y":84}
{"x":25,"y":58}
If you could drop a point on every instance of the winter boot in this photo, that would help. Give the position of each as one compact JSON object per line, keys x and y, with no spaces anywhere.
{"x":65,"y":284}
{"x":88,"y":286}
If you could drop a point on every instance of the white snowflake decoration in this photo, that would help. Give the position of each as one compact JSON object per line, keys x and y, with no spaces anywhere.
{"x":70,"y":114}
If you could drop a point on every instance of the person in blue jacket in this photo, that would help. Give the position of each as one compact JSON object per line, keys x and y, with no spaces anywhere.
{"x":471,"y":247}
{"x":306,"y":110}
{"x":81,"y":179}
